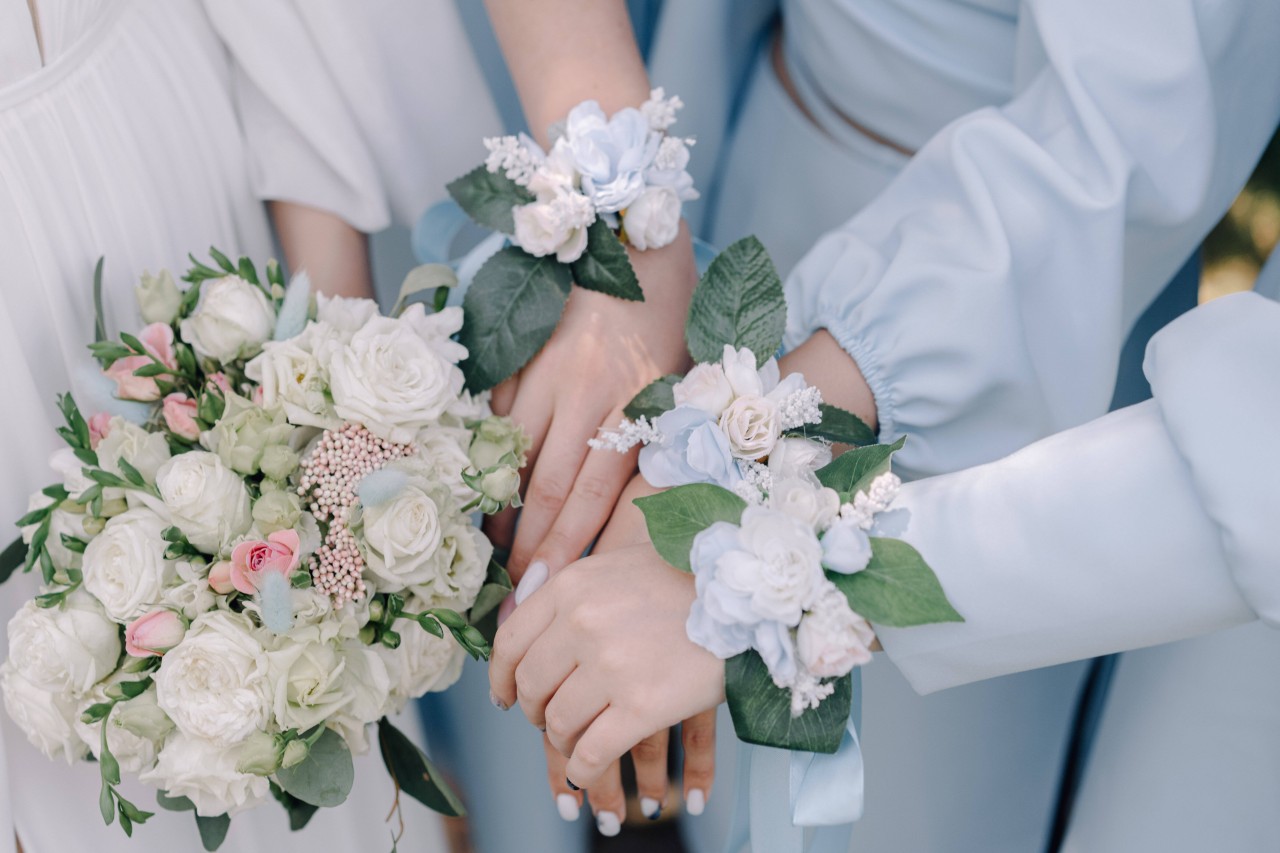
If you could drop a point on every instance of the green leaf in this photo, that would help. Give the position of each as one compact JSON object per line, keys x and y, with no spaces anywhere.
{"x":897,"y":588}
{"x":414,"y":773}
{"x":854,"y":470}
{"x":761,"y":710}
{"x":11,"y":558}
{"x":839,"y":426}
{"x":222,"y":260}
{"x":96,"y":712}
{"x":174,"y":804}
{"x":132,"y":474}
{"x":149,"y":371}
{"x":738,"y":302}
{"x":497,"y":585}
{"x":75,"y":420}
{"x":132,"y":812}
{"x":654,"y":399}
{"x":73,"y":544}
{"x":423,"y":278}
{"x":99,"y":321}
{"x":106,"y":478}
{"x":107,"y":803}
{"x":488,"y":197}
{"x":300,"y":813}
{"x":213,"y":830}
{"x":511,"y":309}
{"x":248,"y":272}
{"x":325,"y":776}
{"x":675,"y":517}
{"x":604,"y":266}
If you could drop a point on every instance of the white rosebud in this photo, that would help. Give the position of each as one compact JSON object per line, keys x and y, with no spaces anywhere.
{"x":653,"y":220}
{"x":555,"y":225}
{"x":500,"y":484}
{"x":846,"y":547}
{"x":832,"y":639}
{"x":232,"y":320}
{"x":806,"y":500}
{"x":158,"y":297}
{"x":751,"y":425}
{"x":797,"y":457}
{"x":260,"y":754}
{"x":705,"y":387}
{"x":207,"y":500}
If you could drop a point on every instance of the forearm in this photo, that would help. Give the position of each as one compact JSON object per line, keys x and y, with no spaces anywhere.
{"x":334,"y":254}
{"x":826,"y":365}
{"x":563,"y":52}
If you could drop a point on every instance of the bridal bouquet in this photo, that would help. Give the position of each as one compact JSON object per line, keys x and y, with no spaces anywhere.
{"x":781,"y":538}
{"x":269,"y":553}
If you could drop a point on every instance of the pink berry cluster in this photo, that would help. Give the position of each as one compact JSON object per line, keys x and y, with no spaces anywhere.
{"x":331,"y":476}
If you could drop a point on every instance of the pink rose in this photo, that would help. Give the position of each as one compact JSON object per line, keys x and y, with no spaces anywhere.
{"x":180,"y":416}
{"x":154,"y":634}
{"x":99,"y":428}
{"x":156,"y":339}
{"x":251,"y":561}
{"x":220,"y":578}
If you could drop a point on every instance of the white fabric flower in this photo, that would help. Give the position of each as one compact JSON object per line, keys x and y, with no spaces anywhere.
{"x":401,"y":537}
{"x":832,"y":639}
{"x":779,"y":565}
{"x":846,"y":547}
{"x":207,"y":500}
{"x":68,"y":466}
{"x":45,"y":717}
{"x":459,"y":568}
{"x":750,"y":423}
{"x":232,"y":320}
{"x":441,"y":456}
{"x":205,"y":773}
{"x":368,"y":684}
{"x":215,"y":684}
{"x":806,"y":500}
{"x":64,"y":649}
{"x":705,"y":387}
{"x":653,"y":219}
{"x":555,"y":224}
{"x":611,"y":154}
{"x":125,"y":567}
{"x":797,"y":457}
{"x":345,"y":313}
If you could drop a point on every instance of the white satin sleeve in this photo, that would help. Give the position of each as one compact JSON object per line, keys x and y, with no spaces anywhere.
{"x":987,"y":292}
{"x":365,"y":109}
{"x":1151,"y":524}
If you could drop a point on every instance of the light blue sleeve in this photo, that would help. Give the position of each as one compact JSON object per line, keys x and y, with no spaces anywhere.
{"x":1151,"y":524}
{"x":987,"y":292}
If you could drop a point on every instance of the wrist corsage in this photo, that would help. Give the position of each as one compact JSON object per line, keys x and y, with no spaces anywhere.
{"x":607,"y":181}
{"x":778,"y":534}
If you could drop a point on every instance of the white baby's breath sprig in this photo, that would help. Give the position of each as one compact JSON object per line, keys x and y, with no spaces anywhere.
{"x":800,"y":408}
{"x":511,"y":156}
{"x":626,"y":435}
{"x":661,"y":110}
{"x":808,"y":691}
{"x":864,"y":506}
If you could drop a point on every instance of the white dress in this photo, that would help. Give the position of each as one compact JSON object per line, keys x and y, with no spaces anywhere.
{"x":126,"y":139}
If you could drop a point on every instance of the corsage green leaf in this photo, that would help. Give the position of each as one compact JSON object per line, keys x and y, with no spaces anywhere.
{"x":488,"y":197}
{"x":897,"y":588}
{"x":654,"y":399}
{"x":676,"y":516}
{"x":761,"y":710}
{"x":839,"y":426}
{"x":604,"y":266}
{"x":739,"y":302}
{"x":852,"y":471}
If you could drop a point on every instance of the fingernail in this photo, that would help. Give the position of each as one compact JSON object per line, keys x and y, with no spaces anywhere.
{"x":608,"y":824}
{"x":534,"y":577}
{"x":497,"y":703}
{"x":567,"y":805}
{"x":572,"y":786}
{"x":650,"y":808}
{"x":696,"y":802}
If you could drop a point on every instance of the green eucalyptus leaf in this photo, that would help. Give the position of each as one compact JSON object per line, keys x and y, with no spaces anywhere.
{"x":761,"y":710}
{"x":675,"y":517}
{"x":174,"y":804}
{"x":213,"y":830}
{"x":488,"y":197}
{"x":604,"y":266}
{"x":414,"y":773}
{"x":324,"y":778}
{"x":654,"y":399}
{"x":511,"y":309}
{"x":13,"y":557}
{"x":853,"y":471}
{"x":897,"y":588}
{"x":738,"y":302}
{"x":300,"y":813}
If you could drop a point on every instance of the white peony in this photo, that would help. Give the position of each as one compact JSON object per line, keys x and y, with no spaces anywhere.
{"x":205,"y":773}
{"x":146,"y":451}
{"x":653,"y":220}
{"x":459,"y":568}
{"x":555,"y":224}
{"x":232,"y":321}
{"x":64,"y":649}
{"x":393,"y":379}
{"x":423,"y":662}
{"x":806,"y":500}
{"x":216,"y":683}
{"x":441,"y":456}
{"x":797,"y":457}
{"x":207,"y":500}
{"x":135,"y":752}
{"x":308,"y":675}
{"x":124,"y":566}
{"x":832,"y":639}
{"x":778,"y":564}
{"x":61,"y":522}
{"x":345,"y":313}
{"x":751,"y":424}
{"x":705,"y":388}
{"x":45,"y":717}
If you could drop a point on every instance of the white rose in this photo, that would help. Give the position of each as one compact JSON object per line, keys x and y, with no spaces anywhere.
{"x":423,"y":662}
{"x":190,"y":598}
{"x":146,"y":451}
{"x":205,"y":773}
{"x":45,"y":717}
{"x":805,"y":499}
{"x":62,"y":521}
{"x":751,"y":425}
{"x":345,"y":313}
{"x":291,"y":377}
{"x":706,"y":388}
{"x":65,"y":463}
{"x":832,"y":639}
{"x":460,"y":566}
{"x":216,"y":683}
{"x":402,"y":535}
{"x":554,"y":225}
{"x":391,"y":380}
{"x":308,"y":679}
{"x":124,"y":566}
{"x":232,"y":321}
{"x":208,"y":501}
{"x":797,"y":457}
{"x":778,"y":564}
{"x":134,"y":752}
{"x":441,"y":456}
{"x":64,"y":649}
{"x":653,"y":220}
{"x":368,"y":684}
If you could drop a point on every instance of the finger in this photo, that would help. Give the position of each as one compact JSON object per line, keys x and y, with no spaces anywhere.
{"x":553,"y":477}
{"x":608,"y":801}
{"x":542,"y":672}
{"x":532,"y":409}
{"x":568,"y":801}
{"x":504,"y":394}
{"x":605,"y":740}
{"x":650,"y":759}
{"x":698,"y":738}
{"x":514,"y":639}
{"x":573,"y":708}
{"x":501,"y":527}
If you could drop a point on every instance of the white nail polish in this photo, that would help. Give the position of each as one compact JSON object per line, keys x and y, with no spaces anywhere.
{"x":497,"y":703}
{"x":608,"y":824}
{"x":534,"y":577}
{"x":650,"y":808}
{"x":567,"y":806}
{"x":695,"y":802}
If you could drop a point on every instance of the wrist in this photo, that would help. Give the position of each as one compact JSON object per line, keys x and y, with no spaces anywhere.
{"x":826,"y":365}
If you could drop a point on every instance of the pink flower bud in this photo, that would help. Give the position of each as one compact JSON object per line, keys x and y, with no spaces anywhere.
{"x":157,"y":340}
{"x":220,"y":380}
{"x":179,"y":416}
{"x":251,"y":561}
{"x":220,"y":578}
{"x":154,"y":634}
{"x":99,"y":428}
